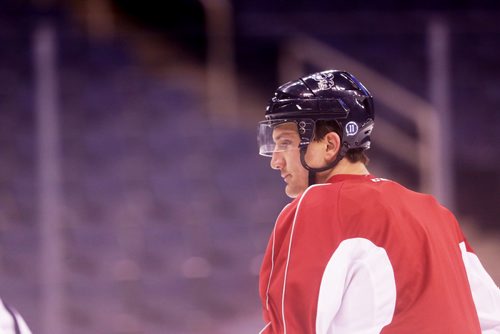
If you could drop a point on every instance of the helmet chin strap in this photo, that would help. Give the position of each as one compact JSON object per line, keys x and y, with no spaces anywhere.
{"x":313,"y":171}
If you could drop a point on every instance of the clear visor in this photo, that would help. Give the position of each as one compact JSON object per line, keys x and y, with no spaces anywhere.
{"x":277,"y":136}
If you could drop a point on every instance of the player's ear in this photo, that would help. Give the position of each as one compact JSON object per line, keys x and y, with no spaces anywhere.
{"x":332,"y":140}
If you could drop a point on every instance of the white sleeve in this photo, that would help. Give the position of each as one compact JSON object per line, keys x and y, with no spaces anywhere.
{"x":11,"y":321}
{"x":358,"y":279}
{"x":485,"y":293}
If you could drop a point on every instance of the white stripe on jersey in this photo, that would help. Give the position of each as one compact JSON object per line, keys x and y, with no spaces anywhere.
{"x":290,"y":251}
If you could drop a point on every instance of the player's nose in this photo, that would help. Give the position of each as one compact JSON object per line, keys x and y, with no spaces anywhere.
{"x":277,"y":161}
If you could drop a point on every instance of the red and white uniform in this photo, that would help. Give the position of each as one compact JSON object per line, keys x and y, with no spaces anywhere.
{"x":363,"y":255}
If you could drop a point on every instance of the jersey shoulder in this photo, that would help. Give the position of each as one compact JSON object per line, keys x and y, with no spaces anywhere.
{"x":365,"y":188}
{"x":382,"y":191}
{"x":364,"y":192}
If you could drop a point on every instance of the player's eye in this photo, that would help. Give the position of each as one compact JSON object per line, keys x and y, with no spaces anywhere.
{"x":283,"y":145}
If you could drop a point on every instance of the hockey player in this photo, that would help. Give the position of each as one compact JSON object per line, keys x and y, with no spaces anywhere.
{"x":353,"y":253}
{"x":11,"y":321}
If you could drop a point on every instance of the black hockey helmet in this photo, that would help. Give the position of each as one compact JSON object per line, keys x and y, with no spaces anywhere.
{"x":328,"y":95}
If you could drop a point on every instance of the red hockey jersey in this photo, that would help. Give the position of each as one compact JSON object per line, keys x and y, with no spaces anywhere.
{"x":361,"y":254}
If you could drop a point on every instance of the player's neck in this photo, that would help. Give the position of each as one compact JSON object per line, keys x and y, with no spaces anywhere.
{"x":343,"y":167}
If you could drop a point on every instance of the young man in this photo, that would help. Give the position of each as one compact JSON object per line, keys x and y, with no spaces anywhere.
{"x":353,"y":253}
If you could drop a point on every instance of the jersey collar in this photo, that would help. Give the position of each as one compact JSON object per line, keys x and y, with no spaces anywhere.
{"x":344,"y":177}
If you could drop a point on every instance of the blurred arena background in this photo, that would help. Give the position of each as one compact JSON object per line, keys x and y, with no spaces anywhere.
{"x":132,"y":198}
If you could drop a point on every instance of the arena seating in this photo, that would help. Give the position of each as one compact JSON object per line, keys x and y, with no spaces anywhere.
{"x":166,"y":212}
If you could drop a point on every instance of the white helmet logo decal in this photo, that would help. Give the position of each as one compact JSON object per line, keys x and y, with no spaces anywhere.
{"x":325,"y":80}
{"x":351,"y":128}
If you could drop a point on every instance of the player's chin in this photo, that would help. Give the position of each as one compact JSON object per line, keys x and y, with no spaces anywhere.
{"x":292,"y":191}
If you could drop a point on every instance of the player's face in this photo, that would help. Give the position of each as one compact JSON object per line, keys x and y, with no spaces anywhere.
{"x":286,"y":159}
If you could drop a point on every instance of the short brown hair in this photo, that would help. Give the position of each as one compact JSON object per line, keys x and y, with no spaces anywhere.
{"x":323,"y":127}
